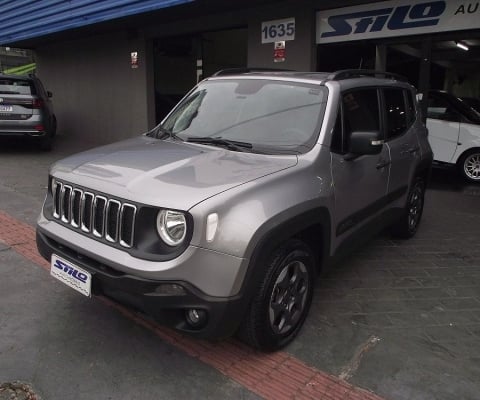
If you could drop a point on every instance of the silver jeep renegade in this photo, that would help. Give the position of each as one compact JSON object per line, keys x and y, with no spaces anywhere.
{"x":219,"y":220}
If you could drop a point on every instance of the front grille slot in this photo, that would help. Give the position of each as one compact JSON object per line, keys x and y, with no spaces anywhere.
{"x":87,"y":208}
{"x":94,"y":214}
{"x":76,"y":207}
{"x":65,"y":203}
{"x":99,"y":206}
{"x":112,"y":220}
{"x":56,"y":192}
{"x":127,"y":222}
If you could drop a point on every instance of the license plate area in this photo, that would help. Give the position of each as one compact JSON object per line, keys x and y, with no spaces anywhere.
{"x":6,"y":109}
{"x":72,"y":275}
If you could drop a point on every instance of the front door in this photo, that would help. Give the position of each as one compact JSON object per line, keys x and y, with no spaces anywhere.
{"x":360,"y":184}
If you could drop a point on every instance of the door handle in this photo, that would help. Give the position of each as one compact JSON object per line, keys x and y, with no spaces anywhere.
{"x":411,"y":150}
{"x":383,"y":164}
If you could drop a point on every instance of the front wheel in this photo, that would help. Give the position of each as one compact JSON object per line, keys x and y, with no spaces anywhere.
{"x":407,"y":226}
{"x":283,"y":298}
{"x":469,"y":166}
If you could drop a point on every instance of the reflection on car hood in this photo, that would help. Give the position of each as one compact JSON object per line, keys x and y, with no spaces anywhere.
{"x":165,"y":173}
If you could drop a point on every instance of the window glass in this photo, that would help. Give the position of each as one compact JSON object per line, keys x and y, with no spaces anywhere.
{"x":271,"y":115}
{"x":361,"y":113}
{"x":16,"y":86}
{"x":396,"y":116}
{"x":439,"y":108}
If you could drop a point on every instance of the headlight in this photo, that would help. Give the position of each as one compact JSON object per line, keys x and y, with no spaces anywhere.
{"x":171,"y":226}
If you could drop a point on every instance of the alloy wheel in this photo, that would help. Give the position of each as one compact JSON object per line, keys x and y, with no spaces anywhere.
{"x":415,"y":207}
{"x":289,"y":297}
{"x":471,"y":166}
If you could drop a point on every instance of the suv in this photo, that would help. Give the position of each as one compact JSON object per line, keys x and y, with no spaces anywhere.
{"x":454,"y":129}
{"x":26,"y":109}
{"x":220,"y":219}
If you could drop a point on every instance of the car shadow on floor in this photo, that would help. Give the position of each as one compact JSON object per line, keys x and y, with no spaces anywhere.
{"x":448,"y":179}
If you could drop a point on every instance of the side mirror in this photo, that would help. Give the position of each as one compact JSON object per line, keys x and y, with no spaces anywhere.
{"x":49,"y":93}
{"x":364,"y":143}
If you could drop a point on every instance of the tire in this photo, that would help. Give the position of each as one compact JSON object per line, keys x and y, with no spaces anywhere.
{"x":270,"y":323}
{"x":407,"y":226}
{"x":469,"y":166}
{"x":46,"y":143}
{"x":54,"y":126}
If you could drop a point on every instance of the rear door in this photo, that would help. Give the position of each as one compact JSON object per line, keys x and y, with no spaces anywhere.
{"x":401,"y":139}
{"x":360,"y":184}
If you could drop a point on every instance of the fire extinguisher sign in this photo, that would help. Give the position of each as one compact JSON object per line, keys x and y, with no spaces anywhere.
{"x":279,"y":51}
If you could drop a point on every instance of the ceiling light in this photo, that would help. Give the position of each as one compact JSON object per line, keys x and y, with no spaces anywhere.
{"x":462,"y":46}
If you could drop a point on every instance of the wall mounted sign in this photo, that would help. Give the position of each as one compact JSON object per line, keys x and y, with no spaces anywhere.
{"x":134,"y":59}
{"x":279,"y":51}
{"x":396,"y":18}
{"x":278,"y":30}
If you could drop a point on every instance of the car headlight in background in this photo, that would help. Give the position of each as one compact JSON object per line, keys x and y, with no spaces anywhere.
{"x":172,"y":227}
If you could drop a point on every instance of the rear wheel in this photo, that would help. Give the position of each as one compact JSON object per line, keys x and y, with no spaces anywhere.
{"x":407,"y":226}
{"x":46,"y":143}
{"x":469,"y":166}
{"x":283,"y":299}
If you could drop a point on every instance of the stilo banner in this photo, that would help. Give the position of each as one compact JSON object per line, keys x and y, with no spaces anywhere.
{"x":396,"y":18}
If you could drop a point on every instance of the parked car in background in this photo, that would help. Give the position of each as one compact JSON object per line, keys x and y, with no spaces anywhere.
{"x":220,"y":219}
{"x":473,"y":102}
{"x":26,"y":110}
{"x":454,"y":133}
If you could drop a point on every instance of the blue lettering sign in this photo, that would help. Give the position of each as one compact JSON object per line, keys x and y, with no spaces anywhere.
{"x":70,"y":271}
{"x":402,"y":17}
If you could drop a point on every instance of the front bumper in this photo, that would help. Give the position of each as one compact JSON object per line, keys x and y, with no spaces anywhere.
{"x":161,"y":299}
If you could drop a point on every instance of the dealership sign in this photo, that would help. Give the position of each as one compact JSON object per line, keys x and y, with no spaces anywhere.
{"x":396,"y":18}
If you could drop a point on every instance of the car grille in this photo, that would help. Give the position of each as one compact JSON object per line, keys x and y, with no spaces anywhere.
{"x":94,"y":214}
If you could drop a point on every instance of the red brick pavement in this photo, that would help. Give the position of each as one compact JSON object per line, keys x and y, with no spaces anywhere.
{"x":273,"y":376}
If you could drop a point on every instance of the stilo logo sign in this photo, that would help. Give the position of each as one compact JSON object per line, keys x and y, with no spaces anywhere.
{"x":395,"y":18}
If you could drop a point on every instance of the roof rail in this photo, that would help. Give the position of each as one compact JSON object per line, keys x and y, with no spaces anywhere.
{"x":356,"y":73}
{"x":235,"y":71}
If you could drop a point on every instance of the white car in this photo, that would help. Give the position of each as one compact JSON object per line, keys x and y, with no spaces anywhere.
{"x":454,"y":133}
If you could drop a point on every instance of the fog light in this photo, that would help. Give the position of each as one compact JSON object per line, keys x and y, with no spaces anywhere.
{"x":196,"y":318}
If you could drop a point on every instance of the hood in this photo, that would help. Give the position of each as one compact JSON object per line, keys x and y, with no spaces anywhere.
{"x":165,"y":173}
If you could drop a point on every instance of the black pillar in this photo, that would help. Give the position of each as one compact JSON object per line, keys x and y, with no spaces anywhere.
{"x":424,"y":74}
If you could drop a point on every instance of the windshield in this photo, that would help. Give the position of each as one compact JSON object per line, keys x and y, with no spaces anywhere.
{"x":274,"y":116}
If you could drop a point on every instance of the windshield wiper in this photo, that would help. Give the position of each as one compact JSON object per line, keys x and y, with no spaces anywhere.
{"x":161,"y":133}
{"x":218,"y":141}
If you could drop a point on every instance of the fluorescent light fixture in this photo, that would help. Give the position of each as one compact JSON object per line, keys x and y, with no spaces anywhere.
{"x":462,"y":46}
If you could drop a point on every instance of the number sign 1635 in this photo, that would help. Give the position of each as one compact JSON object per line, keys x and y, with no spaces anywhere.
{"x":282,"y":29}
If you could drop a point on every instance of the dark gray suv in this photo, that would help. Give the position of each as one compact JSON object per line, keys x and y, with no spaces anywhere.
{"x":26,"y":110}
{"x":221,"y":218}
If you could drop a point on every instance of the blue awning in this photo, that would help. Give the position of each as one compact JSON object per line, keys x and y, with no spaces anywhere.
{"x":27,"y":19}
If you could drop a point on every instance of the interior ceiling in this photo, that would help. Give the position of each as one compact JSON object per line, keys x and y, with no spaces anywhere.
{"x":446,"y":53}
